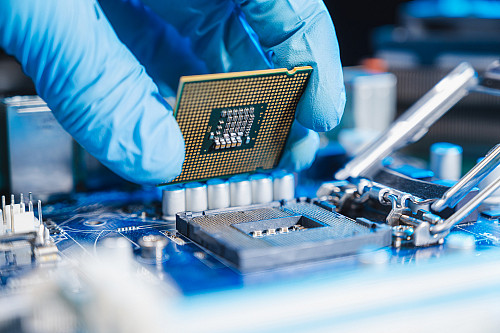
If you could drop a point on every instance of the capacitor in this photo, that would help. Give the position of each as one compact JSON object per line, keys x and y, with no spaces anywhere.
{"x":240,"y":191}
{"x":262,"y":188}
{"x":446,"y":160}
{"x":283,"y":185}
{"x":196,"y":197}
{"x":117,"y":249}
{"x":173,"y":200}
{"x":218,"y":194}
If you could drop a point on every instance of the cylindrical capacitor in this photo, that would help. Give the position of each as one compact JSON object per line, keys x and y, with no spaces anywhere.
{"x":173,"y":200}
{"x":196,"y":197}
{"x":283,"y":185}
{"x":262,"y":188}
{"x":446,"y":160}
{"x":218,"y":194}
{"x":117,"y":249}
{"x":241,"y":191}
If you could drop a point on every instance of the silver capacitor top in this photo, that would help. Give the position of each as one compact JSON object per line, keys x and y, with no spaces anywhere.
{"x":173,"y":200}
{"x":196,"y":197}
{"x":262,"y":188}
{"x":240,"y":190}
{"x":218,"y":194}
{"x":446,"y":160}
{"x":283,"y":185}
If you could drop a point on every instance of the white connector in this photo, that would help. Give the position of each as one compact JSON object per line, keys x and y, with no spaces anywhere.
{"x":15,"y":218}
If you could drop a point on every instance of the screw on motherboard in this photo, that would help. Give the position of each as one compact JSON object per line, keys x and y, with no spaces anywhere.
{"x":152,"y":246}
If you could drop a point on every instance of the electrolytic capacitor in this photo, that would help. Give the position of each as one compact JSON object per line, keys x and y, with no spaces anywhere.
{"x":446,"y":160}
{"x":196,"y":197}
{"x":240,"y":191}
{"x":262,"y":188}
{"x":218,"y":194}
{"x":283,"y":185}
{"x":173,"y":200}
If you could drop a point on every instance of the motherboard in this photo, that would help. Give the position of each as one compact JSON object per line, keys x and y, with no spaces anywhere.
{"x":232,"y":246}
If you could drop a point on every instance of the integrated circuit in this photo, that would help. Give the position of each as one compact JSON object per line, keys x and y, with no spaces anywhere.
{"x":271,"y":235}
{"x":236,"y":127}
{"x":236,"y":122}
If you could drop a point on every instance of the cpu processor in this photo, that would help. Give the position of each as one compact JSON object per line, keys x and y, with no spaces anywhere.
{"x":236,"y":122}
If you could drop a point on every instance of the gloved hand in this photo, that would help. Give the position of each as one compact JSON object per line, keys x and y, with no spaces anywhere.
{"x":101,"y":94}
{"x":300,"y":149}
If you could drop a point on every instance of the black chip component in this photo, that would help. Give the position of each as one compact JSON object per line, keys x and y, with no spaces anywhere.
{"x":271,"y":235}
{"x":493,"y":214}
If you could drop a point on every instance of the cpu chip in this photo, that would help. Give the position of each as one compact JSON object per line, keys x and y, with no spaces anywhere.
{"x":236,"y":122}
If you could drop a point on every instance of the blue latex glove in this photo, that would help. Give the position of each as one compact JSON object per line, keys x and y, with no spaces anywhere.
{"x":102,"y":95}
{"x":300,"y":149}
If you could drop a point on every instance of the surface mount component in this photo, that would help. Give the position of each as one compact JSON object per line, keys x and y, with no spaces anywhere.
{"x":236,"y":122}
{"x":270,"y":235}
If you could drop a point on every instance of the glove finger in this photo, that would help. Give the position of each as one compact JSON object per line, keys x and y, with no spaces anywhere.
{"x":300,"y":150}
{"x":96,"y":88}
{"x":301,"y":32}
{"x":155,"y":43}
{"x":217,"y":31}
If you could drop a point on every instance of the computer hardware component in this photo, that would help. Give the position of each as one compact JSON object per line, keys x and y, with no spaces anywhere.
{"x":196,"y":197}
{"x":446,"y":160}
{"x":262,"y":188}
{"x":283,"y":185}
{"x":173,"y":201}
{"x":217,"y":193}
{"x":24,"y":237}
{"x":420,"y":213}
{"x":240,"y":190}
{"x":236,"y":122}
{"x":38,"y":153}
{"x":414,"y":123}
{"x":270,"y":235}
{"x":152,"y":246}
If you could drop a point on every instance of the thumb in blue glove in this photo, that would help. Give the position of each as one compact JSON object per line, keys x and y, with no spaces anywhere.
{"x":301,"y":32}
